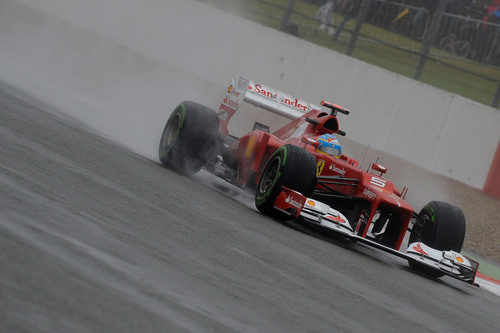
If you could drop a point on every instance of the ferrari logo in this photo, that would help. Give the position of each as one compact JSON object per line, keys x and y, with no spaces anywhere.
{"x":319,"y":167}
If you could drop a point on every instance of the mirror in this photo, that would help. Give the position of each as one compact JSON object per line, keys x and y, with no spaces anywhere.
{"x":379,"y":168}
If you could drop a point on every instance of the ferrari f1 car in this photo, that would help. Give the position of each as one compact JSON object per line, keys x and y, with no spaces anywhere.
{"x":292,"y":179}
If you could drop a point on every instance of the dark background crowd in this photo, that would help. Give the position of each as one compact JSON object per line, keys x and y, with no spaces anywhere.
{"x":468,"y":28}
{"x":473,"y":8}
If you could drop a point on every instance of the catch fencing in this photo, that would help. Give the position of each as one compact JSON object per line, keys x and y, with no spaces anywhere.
{"x":457,"y":53}
{"x":469,"y":38}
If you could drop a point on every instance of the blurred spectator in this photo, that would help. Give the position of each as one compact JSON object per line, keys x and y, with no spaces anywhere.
{"x":349,"y":12}
{"x":487,"y":31}
{"x":325,"y":16}
{"x":478,"y":7}
{"x":492,"y":13}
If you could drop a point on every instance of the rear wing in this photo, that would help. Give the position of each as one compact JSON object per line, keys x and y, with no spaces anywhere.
{"x":243,"y":90}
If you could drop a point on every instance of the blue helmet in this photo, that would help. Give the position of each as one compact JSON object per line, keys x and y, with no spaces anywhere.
{"x":329,"y":145}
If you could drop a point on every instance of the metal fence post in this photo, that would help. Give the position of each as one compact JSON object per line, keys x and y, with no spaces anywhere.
{"x":426,"y":46}
{"x":288,"y":13}
{"x":496,"y":98}
{"x":363,"y":12}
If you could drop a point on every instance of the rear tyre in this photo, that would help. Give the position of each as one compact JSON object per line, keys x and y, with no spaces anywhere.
{"x":289,"y":166}
{"x":189,"y":138}
{"x":443,"y":229}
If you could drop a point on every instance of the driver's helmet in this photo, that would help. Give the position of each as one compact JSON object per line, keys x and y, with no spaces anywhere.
{"x":329,"y":145}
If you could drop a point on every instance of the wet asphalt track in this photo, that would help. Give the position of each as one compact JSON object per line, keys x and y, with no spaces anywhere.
{"x":95,"y":238}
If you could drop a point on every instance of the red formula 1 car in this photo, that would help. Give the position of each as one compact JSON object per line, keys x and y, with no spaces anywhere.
{"x":292,"y":178}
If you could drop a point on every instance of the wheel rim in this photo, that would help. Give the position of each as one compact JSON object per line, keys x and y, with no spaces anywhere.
{"x":270,"y":174}
{"x":171,"y":130}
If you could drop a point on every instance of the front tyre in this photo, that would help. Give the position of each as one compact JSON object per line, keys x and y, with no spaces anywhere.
{"x":289,"y":166}
{"x":443,"y":229}
{"x":189,"y":138}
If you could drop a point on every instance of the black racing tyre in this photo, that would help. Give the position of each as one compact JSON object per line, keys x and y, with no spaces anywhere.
{"x":289,"y":166}
{"x":444,"y":229}
{"x":189,"y":138}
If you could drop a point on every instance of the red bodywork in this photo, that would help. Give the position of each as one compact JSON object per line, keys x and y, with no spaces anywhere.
{"x":253,"y":150}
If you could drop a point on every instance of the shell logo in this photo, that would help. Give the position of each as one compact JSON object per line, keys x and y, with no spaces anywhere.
{"x":311,"y":203}
{"x":460,"y":260}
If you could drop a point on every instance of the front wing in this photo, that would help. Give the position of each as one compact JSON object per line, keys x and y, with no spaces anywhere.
{"x":321,"y":215}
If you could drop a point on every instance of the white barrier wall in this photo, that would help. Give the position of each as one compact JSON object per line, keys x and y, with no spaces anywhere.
{"x":122,"y":65}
